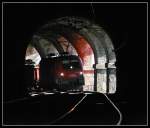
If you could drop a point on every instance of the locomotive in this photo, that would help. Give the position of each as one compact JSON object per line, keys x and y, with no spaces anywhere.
{"x":63,"y":73}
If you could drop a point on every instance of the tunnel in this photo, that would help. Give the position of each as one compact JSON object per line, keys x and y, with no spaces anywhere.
{"x":81,"y":37}
{"x":111,"y":40}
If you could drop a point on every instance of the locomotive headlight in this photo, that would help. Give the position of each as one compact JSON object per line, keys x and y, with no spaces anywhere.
{"x":61,"y":74}
{"x":81,"y":73}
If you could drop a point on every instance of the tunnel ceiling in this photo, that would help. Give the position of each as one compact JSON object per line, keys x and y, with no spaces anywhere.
{"x":85,"y":39}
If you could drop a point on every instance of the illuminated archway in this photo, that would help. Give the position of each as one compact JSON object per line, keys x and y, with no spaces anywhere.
{"x":86,"y":39}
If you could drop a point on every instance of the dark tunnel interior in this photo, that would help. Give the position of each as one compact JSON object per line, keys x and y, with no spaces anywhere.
{"x":126,"y":24}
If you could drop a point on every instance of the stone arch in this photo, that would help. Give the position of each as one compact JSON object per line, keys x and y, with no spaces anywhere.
{"x":99,"y":41}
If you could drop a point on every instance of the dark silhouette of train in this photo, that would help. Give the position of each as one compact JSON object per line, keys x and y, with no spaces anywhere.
{"x":63,"y":73}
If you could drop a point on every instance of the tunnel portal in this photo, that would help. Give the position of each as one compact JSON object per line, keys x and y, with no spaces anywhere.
{"x":78,"y":36}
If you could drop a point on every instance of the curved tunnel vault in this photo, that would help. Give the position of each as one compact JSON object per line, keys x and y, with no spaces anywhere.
{"x":87,"y":40}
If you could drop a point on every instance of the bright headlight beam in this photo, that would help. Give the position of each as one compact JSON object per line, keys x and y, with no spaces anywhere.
{"x":61,"y":74}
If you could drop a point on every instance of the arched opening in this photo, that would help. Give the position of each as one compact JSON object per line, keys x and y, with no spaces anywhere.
{"x":78,"y":36}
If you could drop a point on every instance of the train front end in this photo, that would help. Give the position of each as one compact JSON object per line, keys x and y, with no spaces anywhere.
{"x":69,"y":74}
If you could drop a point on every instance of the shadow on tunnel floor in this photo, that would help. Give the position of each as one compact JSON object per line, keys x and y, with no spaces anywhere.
{"x":94,"y":110}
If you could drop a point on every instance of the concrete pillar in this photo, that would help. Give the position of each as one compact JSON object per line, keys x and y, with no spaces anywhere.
{"x":100,"y":76}
{"x":111,"y":71}
{"x":88,"y":73}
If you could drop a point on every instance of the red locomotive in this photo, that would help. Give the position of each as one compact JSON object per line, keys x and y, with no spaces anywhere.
{"x":63,"y":72}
